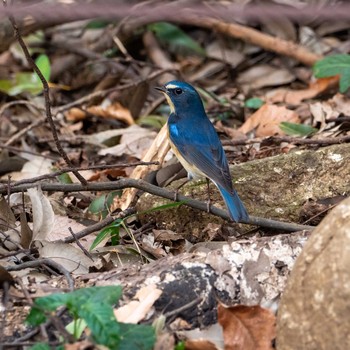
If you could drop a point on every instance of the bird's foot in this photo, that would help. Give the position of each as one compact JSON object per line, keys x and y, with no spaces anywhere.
{"x":209,"y":200}
{"x":176,"y":194}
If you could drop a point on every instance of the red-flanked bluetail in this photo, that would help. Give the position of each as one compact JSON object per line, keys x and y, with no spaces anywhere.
{"x":196,"y":144}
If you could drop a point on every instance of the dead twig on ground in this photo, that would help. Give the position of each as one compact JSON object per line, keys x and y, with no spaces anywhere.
{"x":46,"y":91}
{"x":293,"y":140}
{"x":45,"y":262}
{"x":161,"y":192}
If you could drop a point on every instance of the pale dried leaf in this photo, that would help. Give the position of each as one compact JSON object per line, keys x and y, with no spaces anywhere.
{"x":135,"y":141}
{"x":71,"y":258}
{"x":136,"y":310}
{"x":35,"y":167}
{"x":264,"y":75}
{"x":156,"y":152}
{"x":210,"y":338}
{"x":43,"y":215}
{"x":60,"y":229}
{"x":266,"y":120}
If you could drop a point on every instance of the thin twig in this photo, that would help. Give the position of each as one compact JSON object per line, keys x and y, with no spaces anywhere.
{"x":98,"y":226}
{"x":47,"y":262}
{"x":293,"y":140}
{"x":79,"y":244}
{"x":46,"y":91}
{"x":67,"y":170}
{"x":103,"y":93}
{"x":161,"y":192}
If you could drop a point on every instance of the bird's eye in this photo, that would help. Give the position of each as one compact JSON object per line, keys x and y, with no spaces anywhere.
{"x":178,"y":91}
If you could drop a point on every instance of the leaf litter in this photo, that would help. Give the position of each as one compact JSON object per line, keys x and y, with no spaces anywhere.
{"x":102,"y":129}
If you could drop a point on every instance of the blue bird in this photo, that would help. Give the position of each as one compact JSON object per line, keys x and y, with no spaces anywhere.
{"x":196,"y":144}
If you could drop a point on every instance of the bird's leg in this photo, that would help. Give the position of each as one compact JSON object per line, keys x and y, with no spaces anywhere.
{"x":209,"y":201}
{"x":178,"y":188}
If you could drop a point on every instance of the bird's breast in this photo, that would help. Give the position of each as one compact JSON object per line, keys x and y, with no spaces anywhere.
{"x":192,"y":170}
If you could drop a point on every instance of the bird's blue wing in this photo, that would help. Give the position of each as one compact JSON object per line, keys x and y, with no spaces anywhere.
{"x":202,"y":149}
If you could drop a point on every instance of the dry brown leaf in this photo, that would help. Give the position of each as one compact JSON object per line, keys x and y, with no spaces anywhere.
{"x":247,"y":327}
{"x":266,"y":120}
{"x":295,"y":97}
{"x":26,"y":232}
{"x":112,"y":111}
{"x":200,"y":345}
{"x":75,"y":114}
{"x":164,"y":341}
{"x":136,"y":311}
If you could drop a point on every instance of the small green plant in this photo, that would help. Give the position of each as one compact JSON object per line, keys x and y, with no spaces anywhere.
{"x":334,"y":65}
{"x":112,"y":230}
{"x":254,"y":103}
{"x":294,"y":129}
{"x":175,"y":38}
{"x":27,"y":81}
{"x":101,"y":204}
{"x":94,"y":306}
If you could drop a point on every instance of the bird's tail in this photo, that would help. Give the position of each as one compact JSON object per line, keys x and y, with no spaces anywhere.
{"x":234,"y":205}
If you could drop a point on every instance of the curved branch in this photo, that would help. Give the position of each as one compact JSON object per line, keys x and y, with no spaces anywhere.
{"x":161,"y":192}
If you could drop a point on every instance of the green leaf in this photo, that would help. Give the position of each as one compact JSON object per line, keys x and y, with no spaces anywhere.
{"x":155,"y":121}
{"x":65,"y":178}
{"x":101,"y":204}
{"x":175,"y":38}
{"x":162,"y":207}
{"x":101,"y":320}
{"x":76,"y":327}
{"x":111,"y":230}
{"x":180,"y":346}
{"x":44,"y":66}
{"x":36,"y":317}
{"x":297,"y":129}
{"x":97,"y":24}
{"x":133,"y":336}
{"x":27,"y":82}
{"x":254,"y":103}
{"x":334,"y":65}
{"x":40,"y":346}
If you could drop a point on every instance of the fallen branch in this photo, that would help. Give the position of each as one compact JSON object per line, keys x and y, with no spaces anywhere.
{"x":46,"y":91}
{"x":161,"y":192}
{"x":45,"y":262}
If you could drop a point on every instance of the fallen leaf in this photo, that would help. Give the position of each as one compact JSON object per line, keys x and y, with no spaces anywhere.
{"x":210,"y":338}
{"x":266,"y":120}
{"x":156,"y":152}
{"x":135,"y":141}
{"x":112,"y":111}
{"x":295,"y":97}
{"x":136,"y":310}
{"x":264,"y":75}
{"x":247,"y":327}
{"x":26,"y":232}
{"x":71,"y":258}
{"x":43,"y":215}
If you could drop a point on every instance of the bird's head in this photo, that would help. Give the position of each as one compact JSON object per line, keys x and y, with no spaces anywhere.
{"x":182,"y":97}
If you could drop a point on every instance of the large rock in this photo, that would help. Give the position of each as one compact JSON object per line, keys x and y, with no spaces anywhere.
{"x":315,"y":308}
{"x":274,"y":187}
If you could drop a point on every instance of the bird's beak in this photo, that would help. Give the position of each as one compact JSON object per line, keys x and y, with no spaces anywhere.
{"x":161,"y":89}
